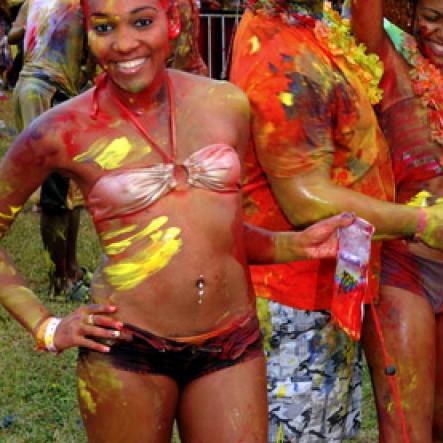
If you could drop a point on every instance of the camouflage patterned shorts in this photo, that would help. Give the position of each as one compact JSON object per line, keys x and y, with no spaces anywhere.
{"x":314,"y":378}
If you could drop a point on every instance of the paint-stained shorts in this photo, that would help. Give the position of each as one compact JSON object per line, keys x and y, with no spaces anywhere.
{"x":32,"y":97}
{"x":147,"y":353}
{"x":421,"y":276}
{"x":314,"y":378}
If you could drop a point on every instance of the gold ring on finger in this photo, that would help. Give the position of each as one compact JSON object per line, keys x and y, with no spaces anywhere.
{"x":90,"y":320}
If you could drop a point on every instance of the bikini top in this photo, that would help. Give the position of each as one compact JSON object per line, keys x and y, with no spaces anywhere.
{"x":214,"y":167}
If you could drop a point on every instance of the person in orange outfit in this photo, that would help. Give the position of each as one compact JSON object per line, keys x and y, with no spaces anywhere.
{"x":316,"y":150}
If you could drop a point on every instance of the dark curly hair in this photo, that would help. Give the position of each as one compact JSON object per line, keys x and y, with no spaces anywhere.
{"x":401,"y":13}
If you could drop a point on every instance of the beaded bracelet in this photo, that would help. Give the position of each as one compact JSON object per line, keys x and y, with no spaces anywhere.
{"x":45,"y":334}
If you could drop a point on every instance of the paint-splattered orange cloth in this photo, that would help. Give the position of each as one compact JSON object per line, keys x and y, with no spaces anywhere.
{"x":308,"y":109}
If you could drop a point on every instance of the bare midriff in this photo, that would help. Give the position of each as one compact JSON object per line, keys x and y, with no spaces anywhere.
{"x":164,"y":299}
{"x":415,"y":156}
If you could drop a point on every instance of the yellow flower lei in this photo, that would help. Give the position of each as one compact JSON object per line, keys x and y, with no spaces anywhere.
{"x":335,"y":33}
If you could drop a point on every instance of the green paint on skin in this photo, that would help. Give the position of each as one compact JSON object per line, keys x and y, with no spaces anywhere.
{"x":409,"y":392}
{"x":18,"y":298}
{"x":5,"y":189}
{"x":137,"y":87}
{"x":100,"y":385}
{"x":264,"y":317}
{"x":106,"y":382}
{"x":86,"y":396}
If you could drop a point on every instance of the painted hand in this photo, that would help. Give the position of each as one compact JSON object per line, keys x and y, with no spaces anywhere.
{"x":86,"y":323}
{"x":430,"y":229}
{"x":320,"y":240}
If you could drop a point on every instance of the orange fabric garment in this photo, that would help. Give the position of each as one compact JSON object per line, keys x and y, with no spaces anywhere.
{"x":308,"y":109}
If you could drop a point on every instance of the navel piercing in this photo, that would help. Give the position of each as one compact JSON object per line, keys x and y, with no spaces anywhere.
{"x":200,"y":285}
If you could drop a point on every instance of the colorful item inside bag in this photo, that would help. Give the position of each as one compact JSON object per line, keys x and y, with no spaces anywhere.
{"x":351,"y":276}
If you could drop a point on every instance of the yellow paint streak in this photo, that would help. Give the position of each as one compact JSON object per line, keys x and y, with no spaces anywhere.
{"x":287,"y":98}
{"x":111,"y":156}
{"x":18,"y":299}
{"x":255,"y":44}
{"x":12,"y":213}
{"x":280,"y":434}
{"x":420,"y":199}
{"x":118,"y":232}
{"x":86,"y":396}
{"x":119,"y":247}
{"x":281,"y":391}
{"x":129,"y":273}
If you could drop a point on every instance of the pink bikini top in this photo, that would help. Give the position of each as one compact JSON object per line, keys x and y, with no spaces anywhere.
{"x":214,"y":167}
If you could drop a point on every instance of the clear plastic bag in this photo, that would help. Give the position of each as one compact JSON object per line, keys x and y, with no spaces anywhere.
{"x":351,"y":276}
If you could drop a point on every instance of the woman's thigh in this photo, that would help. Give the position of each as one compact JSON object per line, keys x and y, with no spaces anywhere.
{"x":123,"y":406}
{"x":408,"y":325}
{"x":226,"y":406}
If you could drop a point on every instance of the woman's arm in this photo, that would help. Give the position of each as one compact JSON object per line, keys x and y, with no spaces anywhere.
{"x":367,"y":23}
{"x":318,"y":241}
{"x":23,"y":169}
{"x":309,"y":197}
{"x":296,"y":148}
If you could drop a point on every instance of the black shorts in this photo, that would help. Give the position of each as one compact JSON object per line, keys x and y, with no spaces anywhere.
{"x":149,"y":354}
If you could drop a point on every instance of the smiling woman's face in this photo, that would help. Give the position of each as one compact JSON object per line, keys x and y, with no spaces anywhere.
{"x":428,"y":29}
{"x":129,"y":39}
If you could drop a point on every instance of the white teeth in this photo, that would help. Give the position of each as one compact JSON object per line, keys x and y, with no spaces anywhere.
{"x":131,"y":64}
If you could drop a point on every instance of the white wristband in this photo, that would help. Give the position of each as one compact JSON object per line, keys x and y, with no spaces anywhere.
{"x":50,"y":333}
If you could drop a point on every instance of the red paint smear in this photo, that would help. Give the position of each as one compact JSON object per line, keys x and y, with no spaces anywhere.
{"x":31,"y":39}
{"x":71,"y":149}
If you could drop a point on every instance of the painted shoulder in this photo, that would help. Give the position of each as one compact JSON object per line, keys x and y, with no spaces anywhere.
{"x":218,"y":96}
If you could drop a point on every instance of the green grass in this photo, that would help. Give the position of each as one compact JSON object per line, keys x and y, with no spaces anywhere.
{"x":37,"y":391}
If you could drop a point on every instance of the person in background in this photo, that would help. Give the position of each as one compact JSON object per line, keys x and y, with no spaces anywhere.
{"x":411,"y":298}
{"x":18,"y":17}
{"x":5,"y":52}
{"x":54,"y":52}
{"x":184,"y":51}
{"x":316,"y":150}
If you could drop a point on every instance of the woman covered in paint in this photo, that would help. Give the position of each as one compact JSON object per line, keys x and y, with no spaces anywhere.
{"x":411,"y":300}
{"x":157,"y":154}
